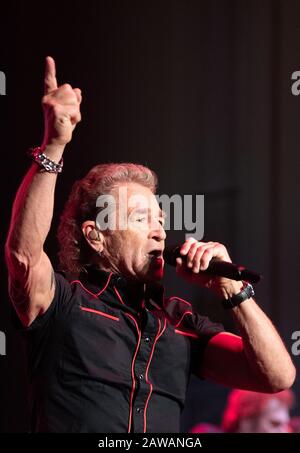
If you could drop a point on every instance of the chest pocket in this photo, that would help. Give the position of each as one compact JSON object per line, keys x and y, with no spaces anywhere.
{"x":97,"y":344}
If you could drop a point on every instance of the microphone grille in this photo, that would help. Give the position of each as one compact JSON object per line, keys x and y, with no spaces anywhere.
{"x":170,"y":254}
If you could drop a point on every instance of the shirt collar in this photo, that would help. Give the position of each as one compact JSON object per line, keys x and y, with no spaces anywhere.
{"x":135,"y":295}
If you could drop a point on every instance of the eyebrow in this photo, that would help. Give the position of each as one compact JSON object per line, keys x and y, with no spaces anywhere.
{"x":146,"y":211}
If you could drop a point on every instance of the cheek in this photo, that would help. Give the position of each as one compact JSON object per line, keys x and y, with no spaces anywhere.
{"x":134,"y":240}
{"x":117,"y":248}
{"x":128,"y":245}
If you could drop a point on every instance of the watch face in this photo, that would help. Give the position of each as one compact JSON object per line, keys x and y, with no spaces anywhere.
{"x":246,"y":293}
{"x":250,"y":290}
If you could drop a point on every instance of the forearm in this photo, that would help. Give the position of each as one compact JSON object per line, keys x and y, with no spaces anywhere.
{"x":32,"y":213}
{"x":266,"y":354}
{"x":258,"y":360}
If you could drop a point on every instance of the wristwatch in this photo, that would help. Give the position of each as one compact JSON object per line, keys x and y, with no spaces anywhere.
{"x":246,"y":293}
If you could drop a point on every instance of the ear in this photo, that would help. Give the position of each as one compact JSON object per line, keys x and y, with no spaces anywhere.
{"x":92,"y":235}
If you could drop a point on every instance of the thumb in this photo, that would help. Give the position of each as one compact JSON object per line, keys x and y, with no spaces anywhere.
{"x":179,"y":261}
{"x":179,"y":264}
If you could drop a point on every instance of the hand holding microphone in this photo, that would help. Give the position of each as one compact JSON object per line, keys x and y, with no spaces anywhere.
{"x":208,"y":264}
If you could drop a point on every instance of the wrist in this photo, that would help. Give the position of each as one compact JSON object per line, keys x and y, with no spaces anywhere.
{"x":43,"y":160}
{"x":53,"y":151}
{"x":230,"y":289}
{"x":246,"y":292}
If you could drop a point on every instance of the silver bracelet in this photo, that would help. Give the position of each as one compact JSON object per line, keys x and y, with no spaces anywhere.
{"x":37,"y":154}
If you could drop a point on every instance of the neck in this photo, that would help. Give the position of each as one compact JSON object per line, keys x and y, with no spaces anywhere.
{"x":135,"y":289}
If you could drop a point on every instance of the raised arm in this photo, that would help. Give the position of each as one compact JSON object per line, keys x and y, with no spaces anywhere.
{"x":31,"y":278}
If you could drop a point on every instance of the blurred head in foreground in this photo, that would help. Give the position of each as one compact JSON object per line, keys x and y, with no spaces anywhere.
{"x":252,"y":412}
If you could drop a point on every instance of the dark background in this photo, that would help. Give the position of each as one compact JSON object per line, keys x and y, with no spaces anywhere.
{"x":198,"y":90}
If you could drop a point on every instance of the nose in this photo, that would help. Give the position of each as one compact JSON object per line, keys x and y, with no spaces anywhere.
{"x":158,"y":232}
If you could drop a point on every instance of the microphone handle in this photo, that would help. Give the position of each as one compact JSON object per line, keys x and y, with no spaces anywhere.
{"x":216,"y":267}
{"x":232,"y":271}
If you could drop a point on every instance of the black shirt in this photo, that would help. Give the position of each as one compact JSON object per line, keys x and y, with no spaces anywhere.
{"x":106,"y":357}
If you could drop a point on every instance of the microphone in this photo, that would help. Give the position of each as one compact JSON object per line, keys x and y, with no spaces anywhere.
{"x":216,"y":267}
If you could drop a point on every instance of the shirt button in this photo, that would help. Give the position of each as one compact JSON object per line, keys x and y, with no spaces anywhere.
{"x":139,"y":410}
{"x":147,"y":340}
{"x":141,"y":377}
{"x":120,"y":280}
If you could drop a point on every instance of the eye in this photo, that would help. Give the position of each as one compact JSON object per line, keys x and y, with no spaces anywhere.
{"x":141,"y":219}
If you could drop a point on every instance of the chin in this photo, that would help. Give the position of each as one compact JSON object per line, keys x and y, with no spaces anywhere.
{"x":151,"y":276}
{"x":155,"y":276}
{"x":152,"y":273}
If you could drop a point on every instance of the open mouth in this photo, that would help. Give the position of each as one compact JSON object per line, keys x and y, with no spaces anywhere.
{"x":156,"y":254}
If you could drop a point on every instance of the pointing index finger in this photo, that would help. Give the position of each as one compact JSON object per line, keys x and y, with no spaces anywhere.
{"x":50,"y":75}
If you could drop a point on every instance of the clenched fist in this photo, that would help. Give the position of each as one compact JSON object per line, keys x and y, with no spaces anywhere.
{"x":61,"y":107}
{"x":198,"y":256}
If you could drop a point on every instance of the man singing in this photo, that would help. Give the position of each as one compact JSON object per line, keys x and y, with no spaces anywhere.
{"x":108,"y":352}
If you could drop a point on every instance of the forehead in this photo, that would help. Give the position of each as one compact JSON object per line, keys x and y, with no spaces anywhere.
{"x":136,"y":196}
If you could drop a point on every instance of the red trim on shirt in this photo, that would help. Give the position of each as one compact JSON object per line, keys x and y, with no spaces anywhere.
{"x":158,"y":335}
{"x":184,"y":314}
{"x":170,"y":299}
{"x":99,"y":313}
{"x":132,"y":370}
{"x":90,"y":292}
{"x":164,"y":328}
{"x":186,"y":334}
{"x":118,"y":294}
